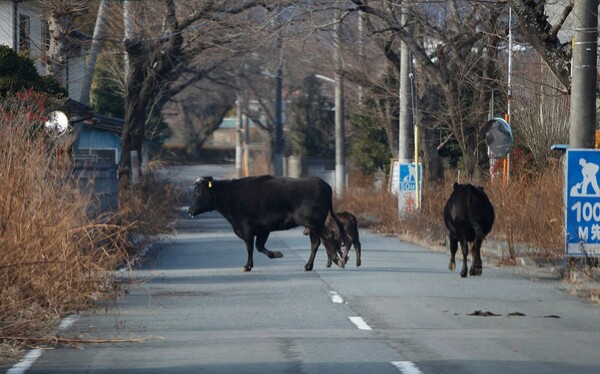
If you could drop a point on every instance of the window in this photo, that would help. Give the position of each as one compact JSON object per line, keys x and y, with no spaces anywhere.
{"x":24,"y":34}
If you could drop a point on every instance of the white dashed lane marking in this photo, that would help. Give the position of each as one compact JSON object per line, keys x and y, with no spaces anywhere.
{"x":360,"y":323}
{"x":406,"y":367}
{"x":335,"y":297}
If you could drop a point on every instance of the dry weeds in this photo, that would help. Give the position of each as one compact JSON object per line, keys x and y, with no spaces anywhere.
{"x":53,"y":258}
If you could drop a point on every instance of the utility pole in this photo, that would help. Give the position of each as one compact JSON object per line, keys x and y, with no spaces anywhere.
{"x":583,"y":75}
{"x":278,"y":162}
{"x":405,"y":133}
{"x":239,"y":138}
{"x":340,"y":160}
{"x":278,"y":146}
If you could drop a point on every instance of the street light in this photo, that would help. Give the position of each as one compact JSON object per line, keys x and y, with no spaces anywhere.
{"x":340,"y":160}
{"x":278,"y":151}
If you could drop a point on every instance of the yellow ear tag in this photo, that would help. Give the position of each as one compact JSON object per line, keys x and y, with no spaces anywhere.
{"x":209,"y":184}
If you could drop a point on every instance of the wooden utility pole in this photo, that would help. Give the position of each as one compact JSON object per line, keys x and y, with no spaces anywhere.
{"x":405,"y":133}
{"x":583,"y":72}
{"x":340,"y":158}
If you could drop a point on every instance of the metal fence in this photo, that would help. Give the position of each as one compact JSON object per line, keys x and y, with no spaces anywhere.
{"x":99,"y":179}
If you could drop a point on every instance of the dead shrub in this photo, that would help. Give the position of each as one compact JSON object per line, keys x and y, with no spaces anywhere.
{"x":54,"y":259}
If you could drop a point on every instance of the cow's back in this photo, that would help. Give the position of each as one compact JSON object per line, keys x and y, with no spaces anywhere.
{"x":468,"y":205}
{"x":278,"y":203}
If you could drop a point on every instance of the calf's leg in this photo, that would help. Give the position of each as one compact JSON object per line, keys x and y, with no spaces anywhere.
{"x":331,"y":245}
{"x":357,"y":250}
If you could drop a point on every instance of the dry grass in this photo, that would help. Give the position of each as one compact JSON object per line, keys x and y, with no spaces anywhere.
{"x":529,"y":213}
{"x":529,"y":218}
{"x":53,"y":258}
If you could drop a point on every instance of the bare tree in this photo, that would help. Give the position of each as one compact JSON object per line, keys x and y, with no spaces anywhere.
{"x":99,"y":31}
{"x":200,"y":111}
{"x":541,"y":117}
{"x":60,"y":17}
{"x":161,"y":53}
{"x":456,"y":48}
{"x":542,"y":32}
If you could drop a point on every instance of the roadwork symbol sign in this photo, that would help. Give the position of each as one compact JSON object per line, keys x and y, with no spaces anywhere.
{"x":582,"y":199}
{"x":408,"y":177}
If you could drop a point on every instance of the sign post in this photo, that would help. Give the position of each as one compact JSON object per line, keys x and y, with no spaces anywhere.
{"x":404,"y":183}
{"x":582,"y":203}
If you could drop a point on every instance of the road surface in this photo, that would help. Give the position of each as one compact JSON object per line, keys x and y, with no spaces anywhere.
{"x":190,"y":309}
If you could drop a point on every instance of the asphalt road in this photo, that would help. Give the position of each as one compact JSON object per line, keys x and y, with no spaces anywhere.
{"x":192,"y":310}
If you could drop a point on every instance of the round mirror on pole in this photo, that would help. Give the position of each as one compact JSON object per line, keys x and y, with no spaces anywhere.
{"x":499,"y":137}
{"x":57,"y":124}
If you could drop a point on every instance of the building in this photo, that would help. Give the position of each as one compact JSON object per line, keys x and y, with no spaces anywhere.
{"x":25,"y":29}
{"x":94,"y":141}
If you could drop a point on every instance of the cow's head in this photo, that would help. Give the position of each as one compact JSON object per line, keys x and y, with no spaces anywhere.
{"x":203,"y":196}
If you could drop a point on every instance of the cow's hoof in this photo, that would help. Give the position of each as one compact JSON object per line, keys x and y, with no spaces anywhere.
{"x":358,"y":263}
{"x":340,"y":263}
{"x":346,"y":259}
{"x":246,"y":269}
{"x":463,"y":274}
{"x":276,"y":254}
{"x":328,"y":264}
{"x":307,"y":268}
{"x":451,"y":266}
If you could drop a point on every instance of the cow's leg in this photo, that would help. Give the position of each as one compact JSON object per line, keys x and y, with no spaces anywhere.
{"x":261,"y":240}
{"x":357,"y":249}
{"x":453,"y":249}
{"x":314,"y":246}
{"x":477,"y":266}
{"x":464,"y":246}
{"x":250,"y":248}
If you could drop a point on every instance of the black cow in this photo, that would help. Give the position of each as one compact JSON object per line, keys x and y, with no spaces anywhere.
{"x":469,"y":216}
{"x":351,"y":228}
{"x":255,"y":206}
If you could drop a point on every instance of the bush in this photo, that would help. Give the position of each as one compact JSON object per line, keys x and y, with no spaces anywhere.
{"x":18,"y":73}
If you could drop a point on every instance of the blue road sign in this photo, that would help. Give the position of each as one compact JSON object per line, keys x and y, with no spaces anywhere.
{"x":408,"y":175}
{"x":582,"y":198}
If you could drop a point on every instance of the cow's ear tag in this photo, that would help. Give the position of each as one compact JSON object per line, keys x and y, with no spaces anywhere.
{"x":209,"y":184}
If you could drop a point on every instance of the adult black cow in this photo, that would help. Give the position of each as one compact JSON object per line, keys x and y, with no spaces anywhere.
{"x":469,"y":216}
{"x":255,"y":206}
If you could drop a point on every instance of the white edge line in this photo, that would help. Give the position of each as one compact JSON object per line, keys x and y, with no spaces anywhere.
{"x":68,"y":322}
{"x":360,"y":323}
{"x":26,"y":362}
{"x":335,"y":297}
{"x":22,"y":366}
{"x":406,"y":367}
